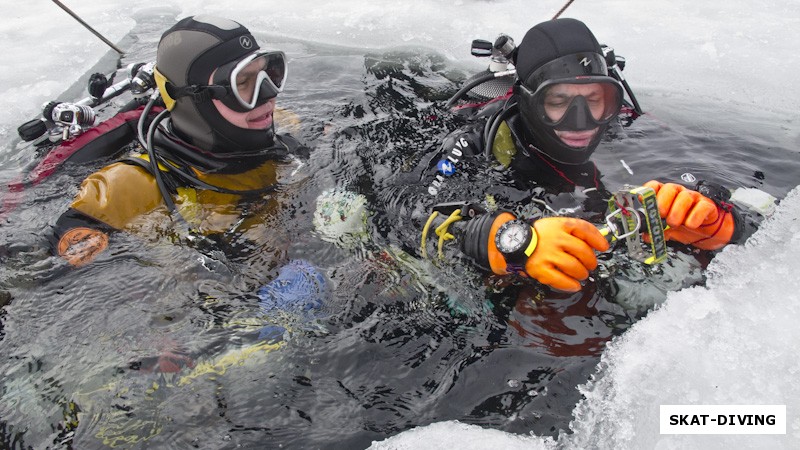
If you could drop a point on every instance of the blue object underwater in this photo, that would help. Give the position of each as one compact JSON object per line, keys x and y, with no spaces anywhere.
{"x":299,"y":289}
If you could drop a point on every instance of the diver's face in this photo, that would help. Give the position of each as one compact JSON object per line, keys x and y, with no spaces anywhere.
{"x":557,"y":101}
{"x":258,"y":118}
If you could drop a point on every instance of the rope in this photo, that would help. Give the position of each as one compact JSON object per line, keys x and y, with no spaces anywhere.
{"x":563,"y":8}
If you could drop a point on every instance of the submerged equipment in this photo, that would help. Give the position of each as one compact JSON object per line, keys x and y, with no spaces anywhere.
{"x":300,"y":289}
{"x":340,"y":217}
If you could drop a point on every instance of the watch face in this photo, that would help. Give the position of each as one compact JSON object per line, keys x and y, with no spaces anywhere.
{"x":512,"y":236}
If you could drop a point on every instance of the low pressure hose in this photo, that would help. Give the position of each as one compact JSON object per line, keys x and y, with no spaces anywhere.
{"x":480,"y":80}
{"x":154,"y":161}
{"x":143,"y":118}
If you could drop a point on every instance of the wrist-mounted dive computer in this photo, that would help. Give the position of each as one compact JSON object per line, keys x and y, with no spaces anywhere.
{"x":516,"y":240}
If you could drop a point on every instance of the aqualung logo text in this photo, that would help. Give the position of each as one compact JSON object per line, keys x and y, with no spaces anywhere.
{"x":447,"y":167}
{"x":245,"y":42}
{"x":723,"y":419}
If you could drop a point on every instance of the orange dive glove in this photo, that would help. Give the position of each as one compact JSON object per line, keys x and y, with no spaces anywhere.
{"x":563,"y":253}
{"x":693,"y":218}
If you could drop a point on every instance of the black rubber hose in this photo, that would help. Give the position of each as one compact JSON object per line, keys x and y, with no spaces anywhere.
{"x":464,"y":89}
{"x":142,"y":119}
{"x":636,"y":106}
{"x":154,"y":161}
{"x":203,"y":185}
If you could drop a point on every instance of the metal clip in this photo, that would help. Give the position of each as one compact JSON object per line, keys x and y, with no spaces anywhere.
{"x":633,"y":211}
{"x":468,"y":210}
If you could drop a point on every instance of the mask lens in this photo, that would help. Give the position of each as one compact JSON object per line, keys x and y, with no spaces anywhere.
{"x":602,"y":100}
{"x":247,"y":78}
{"x":276,"y":69}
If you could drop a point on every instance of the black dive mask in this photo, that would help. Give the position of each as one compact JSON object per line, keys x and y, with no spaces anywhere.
{"x":575,"y":104}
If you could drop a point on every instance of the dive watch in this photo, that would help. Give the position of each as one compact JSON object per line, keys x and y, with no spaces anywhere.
{"x":516,"y":240}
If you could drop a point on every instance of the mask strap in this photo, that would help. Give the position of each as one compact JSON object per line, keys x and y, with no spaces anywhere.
{"x":198,"y":93}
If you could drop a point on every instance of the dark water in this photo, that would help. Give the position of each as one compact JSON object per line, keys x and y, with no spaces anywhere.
{"x":398,"y":344}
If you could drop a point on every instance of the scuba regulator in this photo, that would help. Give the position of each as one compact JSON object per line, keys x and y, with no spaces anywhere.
{"x":497,"y":79}
{"x":62,"y":121}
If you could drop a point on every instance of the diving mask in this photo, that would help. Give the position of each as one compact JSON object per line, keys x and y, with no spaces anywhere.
{"x":251,"y":81}
{"x":575,"y":104}
{"x":241,"y":85}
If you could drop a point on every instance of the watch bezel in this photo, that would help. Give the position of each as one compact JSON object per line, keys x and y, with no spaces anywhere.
{"x":517,"y":255}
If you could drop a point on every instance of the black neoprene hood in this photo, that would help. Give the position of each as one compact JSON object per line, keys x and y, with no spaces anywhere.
{"x":551,"y":40}
{"x":561,"y":49}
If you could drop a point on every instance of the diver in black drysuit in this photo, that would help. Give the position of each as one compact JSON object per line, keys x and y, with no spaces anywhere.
{"x":537,"y":168}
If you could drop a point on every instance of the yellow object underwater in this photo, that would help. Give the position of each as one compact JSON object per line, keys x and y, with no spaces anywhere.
{"x":233,"y":358}
{"x":116,"y":428}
